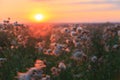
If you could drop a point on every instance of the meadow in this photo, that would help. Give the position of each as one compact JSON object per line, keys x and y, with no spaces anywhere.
{"x":87,"y":51}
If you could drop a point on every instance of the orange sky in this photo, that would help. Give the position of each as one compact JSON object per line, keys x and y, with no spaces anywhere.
{"x":61,"y":10}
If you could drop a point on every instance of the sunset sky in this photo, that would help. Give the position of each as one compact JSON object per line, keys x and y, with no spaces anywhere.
{"x":61,"y":10}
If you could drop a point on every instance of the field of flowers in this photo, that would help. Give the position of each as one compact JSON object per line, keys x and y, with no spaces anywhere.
{"x":70,"y":52}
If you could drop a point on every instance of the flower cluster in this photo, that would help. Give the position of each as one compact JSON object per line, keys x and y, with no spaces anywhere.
{"x":74,"y":51}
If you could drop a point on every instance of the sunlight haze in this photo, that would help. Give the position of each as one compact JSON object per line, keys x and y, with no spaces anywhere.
{"x":61,"y":10}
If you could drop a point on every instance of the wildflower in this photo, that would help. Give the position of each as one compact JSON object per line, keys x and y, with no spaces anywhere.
{"x":94,"y":58}
{"x":107,"y":48}
{"x":6,"y":21}
{"x":67,"y":41}
{"x":17,"y":24}
{"x":49,"y":51}
{"x":55,"y":71}
{"x":115,"y":46}
{"x":78,"y":55}
{"x":34,"y":72}
{"x":73,"y":34}
{"x":47,"y":77}
{"x":12,"y":47}
{"x":58,"y":50}
{"x":79,"y":29}
{"x":77,"y":75}
{"x":74,"y":28}
{"x":119,"y":33}
{"x":53,"y":38}
{"x":3,"y":59}
{"x":62,"y":66}
{"x":89,"y":67}
{"x":65,"y":30}
{"x":77,"y":44}
{"x":52,"y":45}
{"x":67,"y":50}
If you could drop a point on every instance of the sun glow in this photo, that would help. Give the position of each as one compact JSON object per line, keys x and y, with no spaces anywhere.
{"x":39,"y":17}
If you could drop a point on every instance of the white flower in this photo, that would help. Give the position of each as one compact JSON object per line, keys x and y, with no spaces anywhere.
{"x":75,"y":40}
{"x":56,"y":52}
{"x":16,"y":24}
{"x":79,"y":29}
{"x":73,"y":33}
{"x":55,"y":71}
{"x":119,"y":33}
{"x":47,"y":77}
{"x":13,"y":42}
{"x":3,"y":59}
{"x":78,"y":55}
{"x":62,"y":65}
{"x":65,"y":30}
{"x":40,"y":49}
{"x":76,"y":44}
{"x":44,"y":78}
{"x":115,"y":46}
{"x":94,"y":58}
{"x":77,"y":75}
{"x":107,"y":48}
{"x":49,"y":51}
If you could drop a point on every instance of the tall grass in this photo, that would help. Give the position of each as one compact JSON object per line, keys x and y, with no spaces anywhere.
{"x":18,"y":59}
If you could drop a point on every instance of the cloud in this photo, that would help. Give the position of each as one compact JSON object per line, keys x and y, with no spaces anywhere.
{"x":100,"y":4}
{"x":82,"y":7}
{"x":82,"y":4}
{"x":39,"y":0}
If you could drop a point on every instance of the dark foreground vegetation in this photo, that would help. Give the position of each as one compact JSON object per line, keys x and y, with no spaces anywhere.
{"x":88,"y":52}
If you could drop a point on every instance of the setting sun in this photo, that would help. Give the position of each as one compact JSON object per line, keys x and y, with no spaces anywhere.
{"x":39,"y":17}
